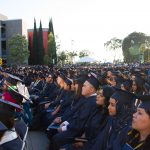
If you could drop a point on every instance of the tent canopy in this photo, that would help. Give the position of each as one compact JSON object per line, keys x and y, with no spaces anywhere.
{"x":86,"y":59}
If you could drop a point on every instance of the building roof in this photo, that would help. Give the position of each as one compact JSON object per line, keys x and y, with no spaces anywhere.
{"x":3,"y":17}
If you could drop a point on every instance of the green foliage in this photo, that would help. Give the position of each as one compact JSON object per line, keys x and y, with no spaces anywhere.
{"x":47,"y":60}
{"x":52,"y":48}
{"x":62,"y":56}
{"x":84,"y":53}
{"x":18,"y":47}
{"x":113,"y":44}
{"x":131,"y":45}
{"x":50,"y":29}
{"x":34,"y":51}
{"x":71,"y":55}
{"x":40,"y":52}
{"x":53,"y":42}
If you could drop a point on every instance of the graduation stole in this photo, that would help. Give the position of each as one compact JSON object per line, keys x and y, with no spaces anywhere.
{"x":13,"y":87}
{"x":135,"y":138}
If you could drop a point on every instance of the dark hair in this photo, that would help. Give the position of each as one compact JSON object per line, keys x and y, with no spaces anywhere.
{"x":147,"y":140}
{"x":140,"y":87}
{"x":79,"y":90}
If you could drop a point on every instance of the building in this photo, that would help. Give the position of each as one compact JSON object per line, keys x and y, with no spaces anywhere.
{"x":8,"y":29}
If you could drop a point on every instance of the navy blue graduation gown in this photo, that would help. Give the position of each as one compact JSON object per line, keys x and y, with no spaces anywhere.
{"x":15,"y":144}
{"x":77,"y":124}
{"x":109,"y":139}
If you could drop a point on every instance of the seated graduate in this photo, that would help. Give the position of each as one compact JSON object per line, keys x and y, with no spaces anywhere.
{"x":76,"y":102}
{"x":9,"y":94}
{"x":37,"y":85}
{"x":96,"y":121}
{"x":76,"y":125}
{"x":45,"y":115}
{"x":9,"y":139}
{"x":49,"y":90}
{"x":12,"y":92}
{"x":138,"y":137}
{"x":61,"y":92}
{"x":121,"y":108}
{"x":60,"y":108}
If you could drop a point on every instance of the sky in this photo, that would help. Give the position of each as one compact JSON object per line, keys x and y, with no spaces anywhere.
{"x":84,"y":24}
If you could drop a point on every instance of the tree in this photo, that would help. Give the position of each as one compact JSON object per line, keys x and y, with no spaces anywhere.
{"x":47,"y":60}
{"x":34,"y":50}
{"x":131,"y":46}
{"x":40,"y":52}
{"x":113,"y":44}
{"x":52,"y":48}
{"x":84,"y":53}
{"x":52,"y":43}
{"x":62,"y":57}
{"x":18,"y":47}
{"x":51,"y":29}
{"x":71,"y":56}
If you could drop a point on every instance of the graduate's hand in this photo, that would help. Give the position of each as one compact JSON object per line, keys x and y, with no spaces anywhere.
{"x":78,"y":144}
{"x":47,"y":105}
{"x":57,"y":120}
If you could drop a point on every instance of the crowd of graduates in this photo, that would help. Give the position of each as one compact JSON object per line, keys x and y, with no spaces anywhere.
{"x":78,"y":107}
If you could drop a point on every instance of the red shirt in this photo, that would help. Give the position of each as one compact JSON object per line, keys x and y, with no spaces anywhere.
{"x":6,"y":96}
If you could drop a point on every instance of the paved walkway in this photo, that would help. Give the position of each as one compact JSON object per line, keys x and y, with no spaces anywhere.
{"x":37,"y":140}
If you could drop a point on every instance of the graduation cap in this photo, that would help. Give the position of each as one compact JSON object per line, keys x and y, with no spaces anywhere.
{"x":108,"y":91}
{"x":68,"y":81}
{"x":93,"y":80}
{"x":127,"y":84}
{"x":116,"y":72}
{"x":14,"y":89}
{"x":2,"y":127}
{"x":123,"y":97}
{"x":14,"y":77}
{"x":62,"y":75}
{"x":80,"y":80}
{"x":8,"y":103}
{"x":145,"y":101}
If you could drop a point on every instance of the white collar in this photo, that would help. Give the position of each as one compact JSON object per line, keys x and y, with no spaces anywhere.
{"x":93,"y":94}
{"x":8,"y":136}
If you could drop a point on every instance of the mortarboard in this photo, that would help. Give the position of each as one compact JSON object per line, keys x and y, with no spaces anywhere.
{"x":94,"y":81}
{"x":145,"y":101}
{"x":80,"y":80}
{"x":127,"y":84}
{"x":62,"y":75}
{"x":14,"y":77}
{"x":123,"y":97}
{"x":68,"y":81}
{"x":8,"y":103}
{"x":108,"y":91}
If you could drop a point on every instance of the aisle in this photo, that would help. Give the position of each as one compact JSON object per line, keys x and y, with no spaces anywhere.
{"x":37,"y":140}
